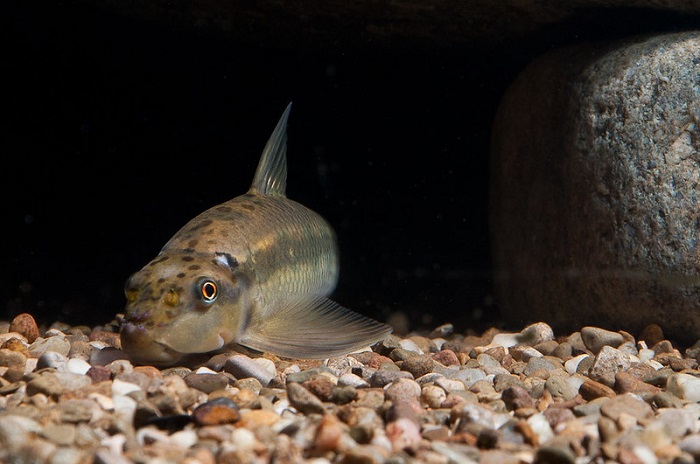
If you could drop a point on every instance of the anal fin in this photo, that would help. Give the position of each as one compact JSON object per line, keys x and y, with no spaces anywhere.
{"x":313,"y":328}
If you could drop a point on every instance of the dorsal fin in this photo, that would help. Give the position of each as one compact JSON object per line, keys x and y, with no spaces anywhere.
{"x":271,"y":175}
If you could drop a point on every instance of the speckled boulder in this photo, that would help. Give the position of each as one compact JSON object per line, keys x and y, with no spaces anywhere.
{"x":596,"y":188}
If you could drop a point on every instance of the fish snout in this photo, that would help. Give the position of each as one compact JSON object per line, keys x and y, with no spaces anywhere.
{"x":141,"y":348}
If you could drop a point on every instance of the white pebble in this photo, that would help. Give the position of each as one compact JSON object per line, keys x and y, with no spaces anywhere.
{"x":352,"y":380}
{"x":149,"y":435}
{"x":409,"y":345}
{"x":185,"y":439}
{"x":506,"y":340}
{"x":645,"y":454}
{"x":645,"y":354}
{"x":105,"y":402}
{"x":267,"y":364}
{"x":572,"y":364}
{"x":244,"y":439}
{"x":124,"y":406}
{"x":529,"y":353}
{"x":450,"y":385}
{"x":205,"y":370}
{"x":119,"y":387}
{"x":540,"y":425}
{"x":115,"y":443}
{"x":78,"y":366}
{"x":655,"y":364}
{"x":684,"y":386}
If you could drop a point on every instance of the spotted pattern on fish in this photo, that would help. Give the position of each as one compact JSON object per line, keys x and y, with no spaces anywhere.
{"x":256,"y":270}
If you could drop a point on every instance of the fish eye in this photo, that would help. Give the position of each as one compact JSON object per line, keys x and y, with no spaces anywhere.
{"x":208,"y":290}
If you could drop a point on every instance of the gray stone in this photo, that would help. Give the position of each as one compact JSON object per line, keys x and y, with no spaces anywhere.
{"x":677,"y":422}
{"x":57,"y":343}
{"x":16,"y":431}
{"x":241,"y":366}
{"x":594,"y":193}
{"x":303,"y":400}
{"x":596,"y":338}
{"x":468,"y":375}
{"x":684,"y":386}
{"x":536,"y":333}
{"x":607,"y":363}
{"x":382,"y":377}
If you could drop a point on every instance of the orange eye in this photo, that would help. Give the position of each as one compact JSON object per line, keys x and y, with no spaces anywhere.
{"x":208,"y":290}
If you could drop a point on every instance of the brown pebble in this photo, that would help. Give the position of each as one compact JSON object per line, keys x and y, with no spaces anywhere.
{"x":150,"y":371}
{"x":496,"y":352}
{"x":216,"y":412}
{"x":446,"y":358}
{"x":626,"y":382}
{"x":524,"y":429}
{"x":371,"y":359}
{"x":254,"y":418}
{"x":558,"y":415}
{"x":321,"y":386}
{"x":516,"y":397}
{"x":99,"y":374}
{"x":590,"y":389}
{"x":652,"y":334}
{"x":329,"y":433}
{"x":26,"y":325}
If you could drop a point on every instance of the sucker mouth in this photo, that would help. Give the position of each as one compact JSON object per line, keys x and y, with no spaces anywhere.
{"x":143,"y":349}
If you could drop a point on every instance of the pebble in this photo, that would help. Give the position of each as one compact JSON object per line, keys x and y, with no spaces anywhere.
{"x":595,"y":338}
{"x":684,"y":386}
{"x":216,"y":412}
{"x":492,"y":404}
{"x":241,"y":366}
{"x":303,"y":400}
{"x":25,"y":325}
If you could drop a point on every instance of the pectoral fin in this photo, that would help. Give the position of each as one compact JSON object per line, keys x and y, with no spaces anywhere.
{"x":313,"y":327}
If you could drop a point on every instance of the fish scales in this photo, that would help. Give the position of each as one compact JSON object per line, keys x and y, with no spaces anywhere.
{"x":262,"y":232}
{"x":256,"y":270}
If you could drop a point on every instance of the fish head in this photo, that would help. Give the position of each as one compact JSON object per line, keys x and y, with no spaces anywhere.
{"x":183,"y":303}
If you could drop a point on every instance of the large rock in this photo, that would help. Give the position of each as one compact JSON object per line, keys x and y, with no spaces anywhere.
{"x":596,"y":188}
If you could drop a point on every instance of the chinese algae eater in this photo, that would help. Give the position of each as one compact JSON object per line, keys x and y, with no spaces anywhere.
{"x":256,"y":270}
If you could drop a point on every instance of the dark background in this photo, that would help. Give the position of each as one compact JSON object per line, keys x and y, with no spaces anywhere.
{"x":118,"y":131}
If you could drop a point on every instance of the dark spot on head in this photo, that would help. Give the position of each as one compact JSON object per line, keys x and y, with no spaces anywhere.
{"x":158,"y":260}
{"x":161,"y":280}
{"x":201,"y":224}
{"x":192,"y":243}
{"x":187,"y":258}
{"x":194,"y":267}
{"x":224,"y":209}
{"x":248,"y":207}
{"x":181,"y":275}
{"x":150,"y":324}
{"x":170,"y":313}
{"x":188,"y":250}
{"x":230,"y":260}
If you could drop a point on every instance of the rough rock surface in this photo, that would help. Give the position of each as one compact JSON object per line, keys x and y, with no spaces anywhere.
{"x":401,"y":24}
{"x":476,"y":398}
{"x":596,"y":169}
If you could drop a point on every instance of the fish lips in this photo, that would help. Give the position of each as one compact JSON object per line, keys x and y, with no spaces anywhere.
{"x":143,"y":349}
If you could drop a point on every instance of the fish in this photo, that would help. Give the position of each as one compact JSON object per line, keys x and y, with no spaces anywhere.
{"x":256,"y":271}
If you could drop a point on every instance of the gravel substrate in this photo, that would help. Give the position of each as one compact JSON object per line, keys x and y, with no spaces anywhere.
{"x":68,"y":395}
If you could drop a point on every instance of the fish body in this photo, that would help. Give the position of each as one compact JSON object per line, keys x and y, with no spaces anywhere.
{"x":256,"y":270}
